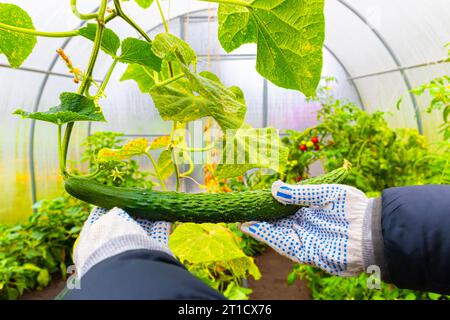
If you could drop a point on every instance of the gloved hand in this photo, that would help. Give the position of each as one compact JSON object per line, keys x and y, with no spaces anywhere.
{"x":108,"y":233}
{"x":328,"y":233}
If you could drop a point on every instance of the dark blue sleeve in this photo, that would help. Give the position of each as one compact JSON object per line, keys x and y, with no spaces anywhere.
{"x":416,"y":235}
{"x":140,"y":275}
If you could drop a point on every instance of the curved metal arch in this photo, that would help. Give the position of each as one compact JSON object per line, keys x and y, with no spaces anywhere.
{"x":394,"y":58}
{"x":348,"y":75}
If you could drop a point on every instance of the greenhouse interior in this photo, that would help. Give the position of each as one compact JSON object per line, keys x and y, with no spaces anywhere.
{"x":247,"y":149}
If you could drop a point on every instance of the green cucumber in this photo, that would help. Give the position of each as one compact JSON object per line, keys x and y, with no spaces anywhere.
{"x":191,"y":207}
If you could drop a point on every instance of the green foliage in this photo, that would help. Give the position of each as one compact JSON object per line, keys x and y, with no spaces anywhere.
{"x":171,"y":48}
{"x":439,"y":91}
{"x":143,"y":3}
{"x":382,"y":157}
{"x":213,"y":253}
{"x":293,"y":62}
{"x":260,"y":148}
{"x":110,"y":41}
{"x":32,"y":251}
{"x":139,"y":52}
{"x":326,"y":287}
{"x":15,"y":46}
{"x":124,"y":173}
{"x":73,"y":107}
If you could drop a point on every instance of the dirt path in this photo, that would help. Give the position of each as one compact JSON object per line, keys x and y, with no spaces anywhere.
{"x":49,"y":293}
{"x":273,"y":285}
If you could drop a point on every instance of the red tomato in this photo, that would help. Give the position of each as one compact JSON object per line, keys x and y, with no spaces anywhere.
{"x":316,"y":147}
{"x":315,"y":140}
{"x":299,"y":178}
{"x":303,"y":147}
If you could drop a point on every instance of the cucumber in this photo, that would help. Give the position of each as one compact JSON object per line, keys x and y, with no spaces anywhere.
{"x":188,"y":207}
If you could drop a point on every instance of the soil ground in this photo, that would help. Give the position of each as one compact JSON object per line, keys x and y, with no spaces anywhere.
{"x":48,"y":293}
{"x":273,"y":283}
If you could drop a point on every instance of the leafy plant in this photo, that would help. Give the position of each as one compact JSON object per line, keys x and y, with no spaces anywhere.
{"x":213,"y":253}
{"x":30,"y":253}
{"x":326,"y":287}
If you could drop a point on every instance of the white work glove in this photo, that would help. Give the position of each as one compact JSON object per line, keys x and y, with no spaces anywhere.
{"x":108,"y":233}
{"x":328,"y":233}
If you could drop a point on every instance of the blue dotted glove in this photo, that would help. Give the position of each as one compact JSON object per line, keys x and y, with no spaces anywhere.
{"x":108,"y":233}
{"x":327,"y":233}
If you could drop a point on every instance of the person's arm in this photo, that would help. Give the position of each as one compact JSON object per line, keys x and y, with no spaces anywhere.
{"x":411,"y":237}
{"x":406,"y":232}
{"x":117,"y":257}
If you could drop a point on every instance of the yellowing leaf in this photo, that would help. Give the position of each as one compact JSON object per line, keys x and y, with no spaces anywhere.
{"x":16,"y":46}
{"x":206,"y":242}
{"x":133,"y":148}
{"x":165,"y":164}
{"x":160,"y":142}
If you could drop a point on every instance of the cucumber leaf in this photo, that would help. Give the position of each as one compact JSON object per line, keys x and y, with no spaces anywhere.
{"x":160,"y":142}
{"x":206,"y":242}
{"x":171,"y":48}
{"x":289,"y":35}
{"x":165,"y":164}
{"x":139,"y":52}
{"x":211,"y":243}
{"x":141,"y":74}
{"x":132,"y":148}
{"x":16,"y":46}
{"x":199,"y":96}
{"x":249,"y":148}
{"x":143,"y":3}
{"x":73,"y":107}
{"x":110,"y":41}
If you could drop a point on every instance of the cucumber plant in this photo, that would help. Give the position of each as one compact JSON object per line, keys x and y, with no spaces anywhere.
{"x":289,"y":36}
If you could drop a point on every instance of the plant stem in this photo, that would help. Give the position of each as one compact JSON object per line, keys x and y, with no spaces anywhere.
{"x":60,"y":152}
{"x":233,"y":2}
{"x":174,"y":158}
{"x":166,"y":26}
{"x":87,"y":80}
{"x":130,"y":21}
{"x":155,"y":167}
{"x":167,"y":81}
{"x":63,"y":34}
{"x":207,"y":148}
{"x":108,"y":76}
{"x":90,"y":16}
{"x":190,"y":170}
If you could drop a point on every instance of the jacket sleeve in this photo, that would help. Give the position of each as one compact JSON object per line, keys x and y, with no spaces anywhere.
{"x":140,"y":275}
{"x":415,"y":227}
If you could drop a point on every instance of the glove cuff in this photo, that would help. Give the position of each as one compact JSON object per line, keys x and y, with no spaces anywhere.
{"x":372,"y":242}
{"x":118,"y":245}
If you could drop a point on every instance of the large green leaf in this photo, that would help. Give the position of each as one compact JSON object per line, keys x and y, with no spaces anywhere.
{"x":199,"y":96}
{"x":15,"y":46}
{"x":139,"y":52}
{"x":249,"y":148}
{"x":73,"y":107}
{"x":289,"y":35}
{"x":171,"y":48}
{"x":141,"y":74}
{"x":110,"y":41}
